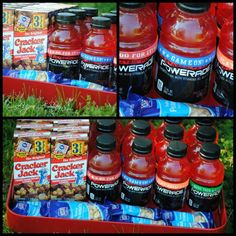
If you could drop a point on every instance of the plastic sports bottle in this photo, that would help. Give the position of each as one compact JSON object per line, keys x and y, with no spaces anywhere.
{"x":104,"y":170}
{"x":138,"y":173}
{"x":172,"y":177}
{"x":186,"y":51}
{"x":138,"y":43}
{"x":97,"y":53}
{"x":206,"y":179}
{"x":64,"y":47}
{"x":223,"y":88}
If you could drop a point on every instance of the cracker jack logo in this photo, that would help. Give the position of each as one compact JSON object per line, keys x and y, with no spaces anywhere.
{"x":23,"y":146}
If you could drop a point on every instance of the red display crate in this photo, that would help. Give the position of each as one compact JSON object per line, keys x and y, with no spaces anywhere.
{"x":51,"y":93}
{"x":28,"y":224}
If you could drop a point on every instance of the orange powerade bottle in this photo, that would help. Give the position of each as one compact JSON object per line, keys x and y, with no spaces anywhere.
{"x":138,"y":173}
{"x":223,"y":88}
{"x":206,"y":179}
{"x":186,"y":51}
{"x":104,"y":170}
{"x":172,"y":177}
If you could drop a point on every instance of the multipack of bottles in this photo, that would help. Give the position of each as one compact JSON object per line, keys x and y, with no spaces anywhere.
{"x":171,"y":51}
{"x":174,"y":168}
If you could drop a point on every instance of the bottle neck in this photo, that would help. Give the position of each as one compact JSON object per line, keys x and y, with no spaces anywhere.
{"x":65,"y":26}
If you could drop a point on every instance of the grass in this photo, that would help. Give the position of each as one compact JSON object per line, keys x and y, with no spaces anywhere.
{"x":225,"y":129}
{"x":31,"y":106}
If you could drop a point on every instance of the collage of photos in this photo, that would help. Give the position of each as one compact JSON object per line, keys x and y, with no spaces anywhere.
{"x":118,"y":117}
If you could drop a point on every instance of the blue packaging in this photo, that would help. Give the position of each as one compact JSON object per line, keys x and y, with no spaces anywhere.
{"x":189,"y":224}
{"x":136,"y":105}
{"x":32,"y":208}
{"x":79,"y":210}
{"x":137,"y":211}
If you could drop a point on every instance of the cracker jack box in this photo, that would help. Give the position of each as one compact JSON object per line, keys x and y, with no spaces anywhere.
{"x":31,"y":165}
{"x":69,"y":156}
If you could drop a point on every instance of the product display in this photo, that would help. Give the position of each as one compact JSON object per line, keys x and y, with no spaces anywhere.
{"x":190,"y":71}
{"x":71,"y":177}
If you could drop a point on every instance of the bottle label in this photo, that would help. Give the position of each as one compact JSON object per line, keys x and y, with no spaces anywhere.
{"x":224,"y":81}
{"x":96,"y":69}
{"x":64,"y":61}
{"x":135,"y":69}
{"x":203,"y":198}
{"x":100,"y":188}
{"x":170,"y":195}
{"x":183,"y":78}
{"x":136,"y":191}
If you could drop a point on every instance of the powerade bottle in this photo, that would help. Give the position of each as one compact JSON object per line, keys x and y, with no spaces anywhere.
{"x":223,"y":88}
{"x":107,"y":126}
{"x":204,"y":134}
{"x":206,"y":181}
{"x":191,"y":133}
{"x":138,"y":173}
{"x":104,"y":170}
{"x":64,"y":47}
{"x":172,"y":177}
{"x":139,"y":128}
{"x":171,"y":133}
{"x":80,"y":17}
{"x":161,"y":128}
{"x":90,"y":13}
{"x":186,"y":51}
{"x":98,"y":52}
{"x":138,"y":43}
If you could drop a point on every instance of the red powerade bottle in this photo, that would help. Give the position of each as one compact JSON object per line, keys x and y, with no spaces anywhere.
{"x":171,"y":133}
{"x":206,"y":180}
{"x":98,"y":52}
{"x":205,"y":134}
{"x":64,"y":47}
{"x":107,"y":126}
{"x":186,"y":51}
{"x":161,"y":128}
{"x":90,"y":13}
{"x":80,"y":18}
{"x":224,"y":12}
{"x":138,"y":173}
{"x":191,"y":133}
{"x":139,"y":128}
{"x":172,"y":177}
{"x":104,"y":170}
{"x":223,"y":88}
{"x":138,"y":43}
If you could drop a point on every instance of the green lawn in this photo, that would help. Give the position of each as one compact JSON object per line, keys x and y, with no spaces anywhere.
{"x":13,"y":107}
{"x":225,"y":129}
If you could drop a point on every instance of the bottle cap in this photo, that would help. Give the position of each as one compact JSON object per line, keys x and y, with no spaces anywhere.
{"x":206,"y":134}
{"x":195,"y":7}
{"x":80,"y":13}
{"x":106,"y":125}
{"x":105,"y":142}
{"x":101,"y":22}
{"x":111,"y":16}
{"x":177,"y":149}
{"x":141,"y":127}
{"x":210,"y":151}
{"x":65,"y":18}
{"x":204,"y":121}
{"x":132,"y":4}
{"x":90,"y":11}
{"x":142,"y":145}
{"x":174,"y":132}
{"x":173,"y":121}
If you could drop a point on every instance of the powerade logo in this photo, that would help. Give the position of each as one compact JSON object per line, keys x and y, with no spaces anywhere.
{"x":136,"y":188}
{"x":136,"y":68}
{"x":102,"y":67}
{"x":169,"y":192}
{"x":226,"y":74}
{"x":104,"y":186}
{"x":184,"y":72}
{"x":63,"y":62}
